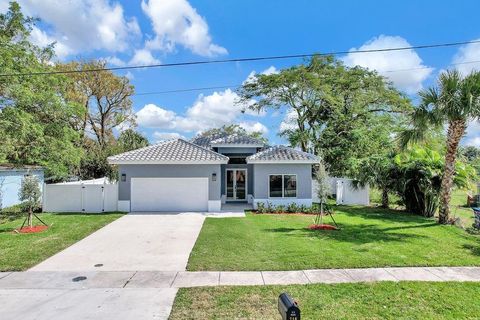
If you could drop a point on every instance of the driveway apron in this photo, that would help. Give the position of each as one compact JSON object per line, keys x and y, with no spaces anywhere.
{"x":135,"y":242}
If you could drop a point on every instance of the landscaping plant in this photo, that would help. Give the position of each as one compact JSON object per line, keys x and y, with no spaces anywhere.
{"x":453,"y":103}
{"x":30,"y":194}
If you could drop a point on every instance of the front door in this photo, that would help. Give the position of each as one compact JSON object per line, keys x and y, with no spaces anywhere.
{"x":236,"y":184}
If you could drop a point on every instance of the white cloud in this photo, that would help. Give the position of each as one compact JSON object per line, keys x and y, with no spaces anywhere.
{"x":143,"y":57}
{"x":251,"y":76}
{"x":129,"y":76}
{"x":250,"y":127}
{"x":466,"y":54}
{"x":4,"y":6}
{"x":162,"y":136}
{"x":472,"y":137}
{"x":408,"y":80}
{"x":176,"y":22}
{"x":83,"y":25}
{"x":208,"y":111}
{"x":115,"y":61}
{"x":152,"y":116}
{"x":289,"y":121}
{"x":42,"y":39}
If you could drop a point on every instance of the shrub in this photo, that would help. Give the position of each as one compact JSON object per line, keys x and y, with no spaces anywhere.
{"x":292,"y":207}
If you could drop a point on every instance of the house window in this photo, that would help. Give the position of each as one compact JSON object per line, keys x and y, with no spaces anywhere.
{"x":282,"y":186}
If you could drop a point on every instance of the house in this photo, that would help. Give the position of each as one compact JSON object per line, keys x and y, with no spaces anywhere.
{"x":11,"y":180}
{"x":204,"y":173}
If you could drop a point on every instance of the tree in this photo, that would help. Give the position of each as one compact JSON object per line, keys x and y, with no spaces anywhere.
{"x":417,"y":176}
{"x":131,"y":140}
{"x":231,"y":129}
{"x":35,"y":116}
{"x":104,"y":96}
{"x":377,"y":172}
{"x":30,"y":194}
{"x":343,"y":114}
{"x":453,"y":102}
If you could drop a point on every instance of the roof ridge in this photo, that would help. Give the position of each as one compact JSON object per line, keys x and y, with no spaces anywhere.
{"x":143,"y":148}
{"x":208,"y":150}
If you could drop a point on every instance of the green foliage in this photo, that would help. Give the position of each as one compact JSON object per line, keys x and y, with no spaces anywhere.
{"x":418,"y":172}
{"x":232,"y":129}
{"x":35,"y":117}
{"x":323,"y":185}
{"x":30,"y":193}
{"x":343,"y":114}
{"x":131,"y":140}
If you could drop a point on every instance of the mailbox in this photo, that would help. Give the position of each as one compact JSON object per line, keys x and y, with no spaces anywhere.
{"x":288,"y":308}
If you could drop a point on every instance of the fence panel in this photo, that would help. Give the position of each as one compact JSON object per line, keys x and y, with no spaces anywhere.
{"x":80,"y":198}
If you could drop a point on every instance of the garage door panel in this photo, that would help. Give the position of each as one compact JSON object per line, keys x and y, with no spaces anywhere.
{"x":169,"y":194}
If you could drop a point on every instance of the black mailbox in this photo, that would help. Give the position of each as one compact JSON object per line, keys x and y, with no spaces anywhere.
{"x":288,"y":308}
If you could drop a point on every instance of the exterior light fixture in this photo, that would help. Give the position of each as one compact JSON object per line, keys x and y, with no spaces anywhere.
{"x":214,"y":176}
{"x":124,"y":177}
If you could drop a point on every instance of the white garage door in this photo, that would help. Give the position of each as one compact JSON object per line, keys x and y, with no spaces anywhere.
{"x":169,"y":194}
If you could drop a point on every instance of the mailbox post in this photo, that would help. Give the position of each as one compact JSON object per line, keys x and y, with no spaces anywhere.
{"x":288,"y":308}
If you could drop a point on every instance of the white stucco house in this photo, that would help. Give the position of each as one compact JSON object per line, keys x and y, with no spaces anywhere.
{"x":204,"y":173}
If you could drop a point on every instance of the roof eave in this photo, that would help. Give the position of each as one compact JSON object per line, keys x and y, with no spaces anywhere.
{"x":244,"y":145}
{"x":282,"y":161}
{"x":122,"y":162}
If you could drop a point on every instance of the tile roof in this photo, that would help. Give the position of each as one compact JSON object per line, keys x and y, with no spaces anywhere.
{"x":223,"y":138}
{"x":282,"y":153}
{"x":176,"y":151}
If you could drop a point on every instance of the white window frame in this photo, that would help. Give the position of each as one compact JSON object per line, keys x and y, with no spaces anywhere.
{"x":283,"y":185}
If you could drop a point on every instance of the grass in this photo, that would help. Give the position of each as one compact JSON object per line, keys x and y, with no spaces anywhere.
{"x":381,"y":300}
{"x":370,"y":237}
{"x":22,"y":251}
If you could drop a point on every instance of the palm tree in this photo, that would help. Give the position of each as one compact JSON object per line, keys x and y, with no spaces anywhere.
{"x":453,"y":103}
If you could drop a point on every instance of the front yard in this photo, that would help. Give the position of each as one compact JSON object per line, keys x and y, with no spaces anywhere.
{"x":382,"y":300}
{"x":22,"y":251}
{"x":370,"y":237}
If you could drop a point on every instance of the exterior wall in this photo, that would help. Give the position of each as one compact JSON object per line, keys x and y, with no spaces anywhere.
{"x":169,"y":171}
{"x":233,"y":150}
{"x":304,"y":183}
{"x":250,"y":176}
{"x":10,"y":182}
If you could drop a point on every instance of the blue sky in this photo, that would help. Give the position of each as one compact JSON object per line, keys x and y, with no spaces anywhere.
{"x":153,"y":31}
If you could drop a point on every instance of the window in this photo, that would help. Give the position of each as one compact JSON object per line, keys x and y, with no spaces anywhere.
{"x":283,"y":186}
{"x":276,"y":186}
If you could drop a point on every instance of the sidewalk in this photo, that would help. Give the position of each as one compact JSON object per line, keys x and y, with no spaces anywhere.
{"x":183,"y":279}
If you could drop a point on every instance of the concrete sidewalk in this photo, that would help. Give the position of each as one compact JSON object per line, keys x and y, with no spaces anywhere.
{"x":182,"y":279}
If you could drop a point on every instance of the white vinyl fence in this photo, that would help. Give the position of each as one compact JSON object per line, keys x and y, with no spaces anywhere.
{"x":344,"y":192}
{"x":80,"y":197}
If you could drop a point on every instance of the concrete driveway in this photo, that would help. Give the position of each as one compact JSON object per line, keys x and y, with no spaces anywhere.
{"x":134,"y":242}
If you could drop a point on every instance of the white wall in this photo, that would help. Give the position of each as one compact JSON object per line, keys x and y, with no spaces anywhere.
{"x":344,"y":191}
{"x":80,"y":198}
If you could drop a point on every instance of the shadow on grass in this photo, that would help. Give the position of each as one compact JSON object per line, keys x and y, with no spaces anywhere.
{"x":358,"y":234}
{"x":84,"y":213}
{"x":381,"y":214}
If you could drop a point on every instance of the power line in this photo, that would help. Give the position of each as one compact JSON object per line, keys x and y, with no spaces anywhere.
{"x":239,"y":85}
{"x":202,"y":62}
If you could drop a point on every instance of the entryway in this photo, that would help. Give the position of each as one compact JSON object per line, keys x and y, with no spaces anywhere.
{"x":236,"y":184}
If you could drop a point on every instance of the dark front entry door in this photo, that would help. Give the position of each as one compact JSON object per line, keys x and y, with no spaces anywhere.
{"x":236,"y":184}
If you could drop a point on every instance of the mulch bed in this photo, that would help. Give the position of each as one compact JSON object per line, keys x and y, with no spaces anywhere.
{"x":322,"y":227}
{"x":33,"y":229}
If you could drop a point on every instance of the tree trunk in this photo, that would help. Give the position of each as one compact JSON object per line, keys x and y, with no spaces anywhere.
{"x":385,"y":201}
{"x":30,"y":217}
{"x":456,"y":130}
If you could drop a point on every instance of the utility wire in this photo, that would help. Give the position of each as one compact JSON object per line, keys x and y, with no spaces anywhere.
{"x":202,"y":62}
{"x":239,"y":85}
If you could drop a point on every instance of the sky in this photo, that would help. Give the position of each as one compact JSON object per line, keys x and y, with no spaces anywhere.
{"x":129,"y":32}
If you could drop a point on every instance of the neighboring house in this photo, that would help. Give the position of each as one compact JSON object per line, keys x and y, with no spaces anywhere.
{"x":204,"y":173}
{"x":11,"y":180}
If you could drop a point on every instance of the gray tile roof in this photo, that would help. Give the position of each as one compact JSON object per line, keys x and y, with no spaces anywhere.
{"x":207,"y":142}
{"x":282,"y":153}
{"x":177,"y":150}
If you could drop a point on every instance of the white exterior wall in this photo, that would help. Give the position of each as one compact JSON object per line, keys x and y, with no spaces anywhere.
{"x":344,"y":191}
{"x":80,"y":198}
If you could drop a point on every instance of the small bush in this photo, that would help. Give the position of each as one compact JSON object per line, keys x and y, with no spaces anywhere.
{"x":292,"y":207}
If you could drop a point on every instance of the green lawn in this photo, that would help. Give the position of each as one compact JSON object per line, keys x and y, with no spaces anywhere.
{"x":381,"y":300}
{"x":22,"y":251}
{"x":370,"y":237}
